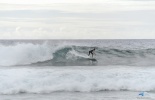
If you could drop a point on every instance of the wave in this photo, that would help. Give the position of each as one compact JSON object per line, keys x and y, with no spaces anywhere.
{"x":24,"y":54}
{"x":47,"y":80}
{"x":68,"y":55}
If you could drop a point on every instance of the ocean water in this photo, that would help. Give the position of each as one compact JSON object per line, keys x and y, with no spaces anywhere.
{"x":61,"y":70}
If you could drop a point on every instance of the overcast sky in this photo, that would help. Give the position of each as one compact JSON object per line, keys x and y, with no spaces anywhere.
{"x":77,"y":19}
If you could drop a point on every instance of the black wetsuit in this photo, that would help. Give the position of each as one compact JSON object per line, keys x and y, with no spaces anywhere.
{"x":91,"y":52}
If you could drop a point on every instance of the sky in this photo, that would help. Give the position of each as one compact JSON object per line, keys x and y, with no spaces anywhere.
{"x":77,"y":19}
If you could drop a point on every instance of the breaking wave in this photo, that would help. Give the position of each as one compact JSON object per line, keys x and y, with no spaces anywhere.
{"x":88,"y":79}
{"x":68,"y":55}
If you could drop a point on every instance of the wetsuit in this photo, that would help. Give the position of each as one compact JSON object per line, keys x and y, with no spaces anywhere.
{"x":91,"y":52}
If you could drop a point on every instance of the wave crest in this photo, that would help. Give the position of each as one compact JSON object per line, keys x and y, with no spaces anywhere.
{"x":22,"y":53}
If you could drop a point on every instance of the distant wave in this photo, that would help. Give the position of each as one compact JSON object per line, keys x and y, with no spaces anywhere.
{"x":68,"y":55}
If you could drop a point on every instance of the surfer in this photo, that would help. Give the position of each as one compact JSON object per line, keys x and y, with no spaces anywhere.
{"x":92,"y":52}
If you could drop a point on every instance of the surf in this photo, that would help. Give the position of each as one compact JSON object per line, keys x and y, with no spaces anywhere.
{"x":73,"y":54}
{"x":49,"y":79}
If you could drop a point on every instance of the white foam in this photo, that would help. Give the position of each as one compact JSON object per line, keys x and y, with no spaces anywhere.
{"x":82,"y":79}
{"x":75,"y":55}
{"x":24,"y":53}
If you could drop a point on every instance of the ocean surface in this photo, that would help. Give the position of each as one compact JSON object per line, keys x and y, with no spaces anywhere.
{"x":62,"y":70}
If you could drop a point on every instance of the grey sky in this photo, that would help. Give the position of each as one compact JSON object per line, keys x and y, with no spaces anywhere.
{"x":108,"y":20}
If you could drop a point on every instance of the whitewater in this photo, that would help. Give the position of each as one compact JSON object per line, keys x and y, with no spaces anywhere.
{"x":60,"y":69}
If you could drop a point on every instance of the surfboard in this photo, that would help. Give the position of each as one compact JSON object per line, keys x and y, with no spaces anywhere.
{"x":92,"y":59}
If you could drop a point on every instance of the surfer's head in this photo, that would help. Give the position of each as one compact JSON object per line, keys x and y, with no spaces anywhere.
{"x":94,"y":49}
